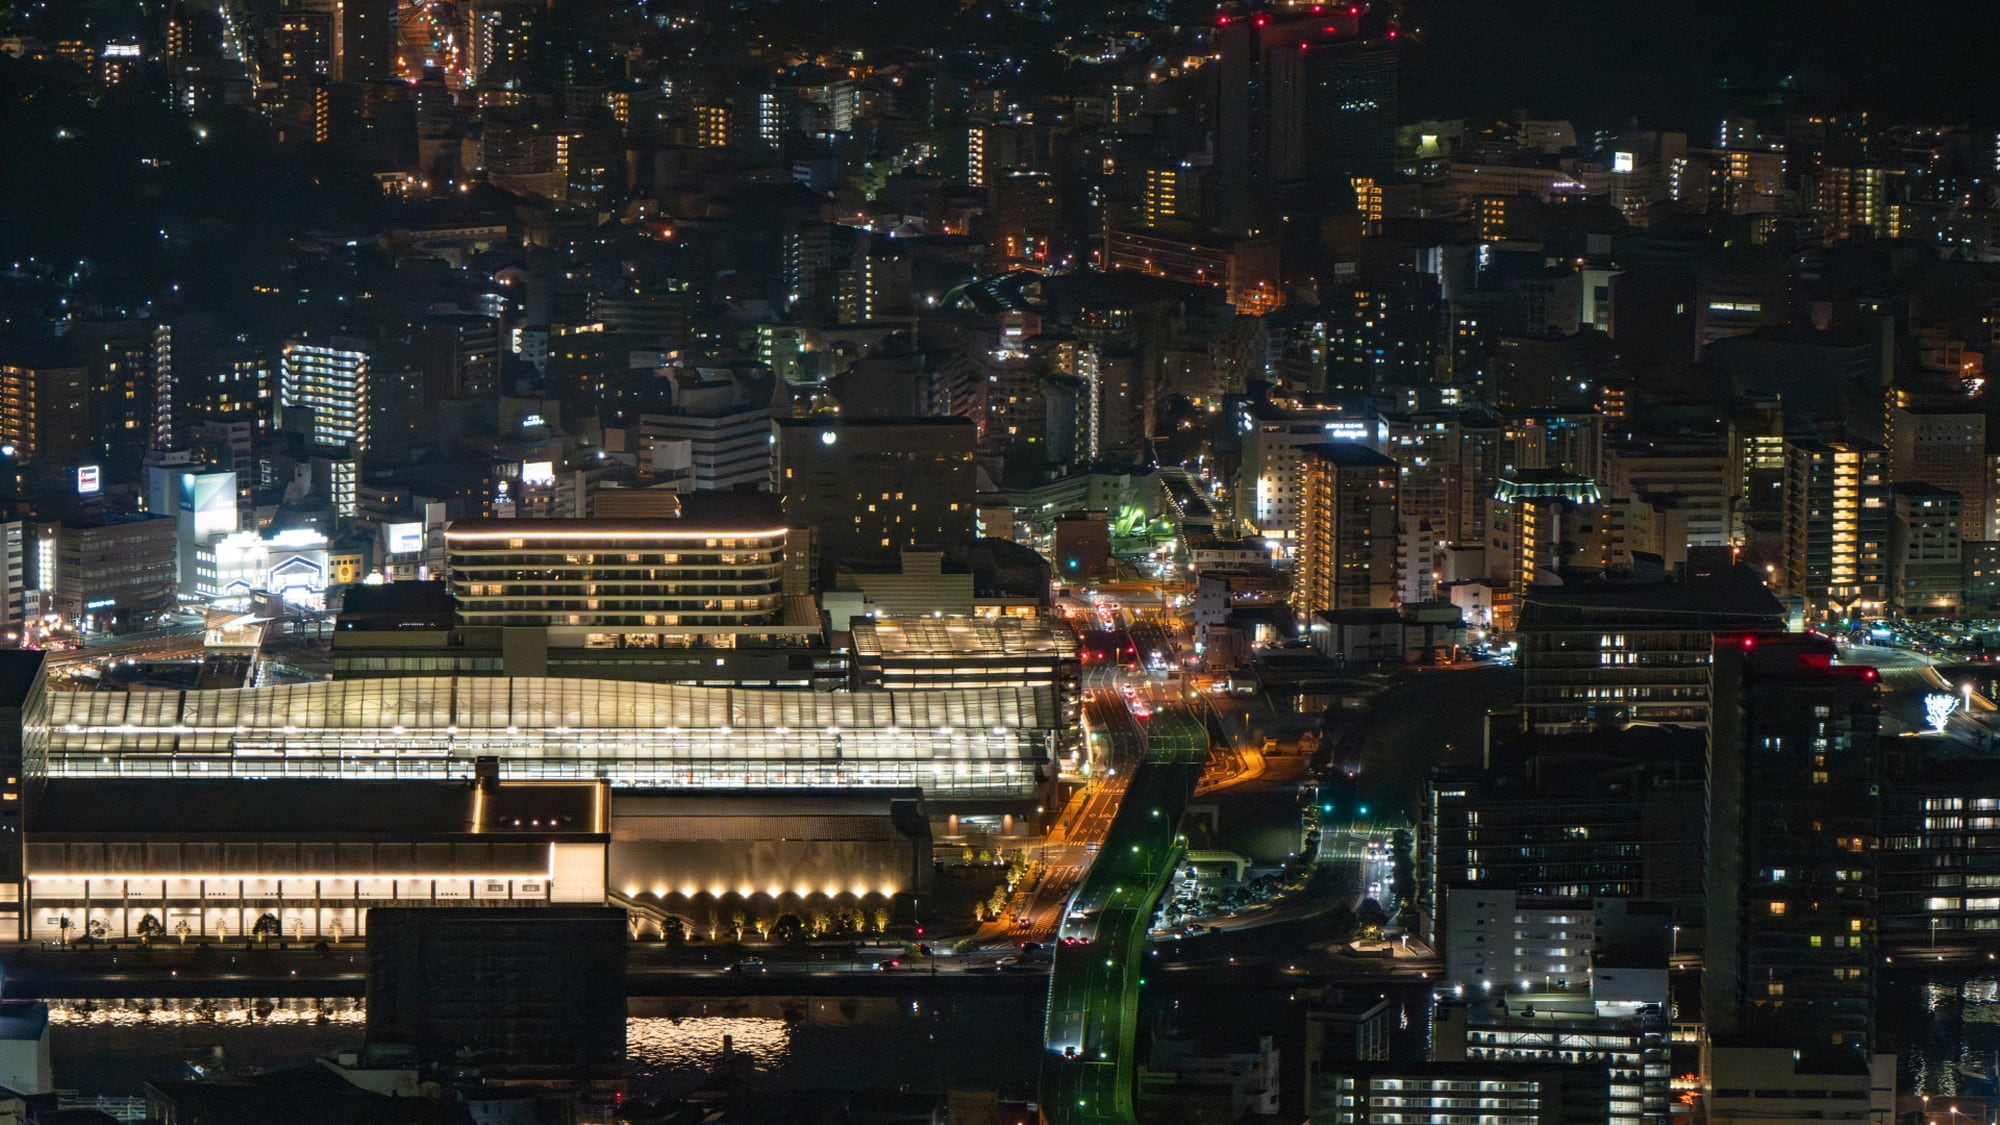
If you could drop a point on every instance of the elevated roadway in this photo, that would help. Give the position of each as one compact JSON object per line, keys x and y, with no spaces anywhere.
{"x":1089,"y":1068}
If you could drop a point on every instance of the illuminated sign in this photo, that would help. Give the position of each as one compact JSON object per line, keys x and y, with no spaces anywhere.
{"x":89,"y":480}
{"x":1622,"y":162}
{"x":538,"y":472}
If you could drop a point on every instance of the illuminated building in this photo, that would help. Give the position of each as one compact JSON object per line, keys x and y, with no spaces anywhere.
{"x":712,"y":126}
{"x":291,"y":565}
{"x":1926,"y":551}
{"x":1270,"y":485}
{"x":1348,"y":530}
{"x":1610,"y":654}
{"x":301,"y":51}
{"x":1794,"y":832}
{"x":620,"y":578}
{"x":1631,"y":1046}
{"x":103,"y":564}
{"x":329,"y":382}
{"x":1445,"y":1093}
{"x":1836,"y":528}
{"x":301,"y":860}
{"x":929,"y":653}
{"x":43,"y":410}
{"x":987,"y":743}
{"x":1853,"y":202}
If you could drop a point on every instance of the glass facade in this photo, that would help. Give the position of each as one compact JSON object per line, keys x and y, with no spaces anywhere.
{"x":989,"y":742}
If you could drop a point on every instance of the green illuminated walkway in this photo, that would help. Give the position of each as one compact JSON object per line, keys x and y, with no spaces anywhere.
{"x":1088,"y":1068}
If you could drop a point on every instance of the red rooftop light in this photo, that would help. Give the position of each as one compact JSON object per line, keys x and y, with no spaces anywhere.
{"x":1222,"y":21}
{"x":1260,"y":21}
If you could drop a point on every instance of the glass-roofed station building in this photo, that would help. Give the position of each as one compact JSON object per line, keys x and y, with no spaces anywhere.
{"x":978,"y":743}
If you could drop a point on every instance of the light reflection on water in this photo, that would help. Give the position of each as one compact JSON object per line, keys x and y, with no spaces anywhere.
{"x":775,"y":1043}
{"x":659,"y":1043}
{"x":289,"y":1012}
{"x":1960,"y":1023}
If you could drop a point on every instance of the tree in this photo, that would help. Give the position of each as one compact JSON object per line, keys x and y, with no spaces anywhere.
{"x":789,"y":928}
{"x":674,"y":930}
{"x":736,"y":920}
{"x":150,"y":927}
{"x":267,"y":927}
{"x":881,"y":919}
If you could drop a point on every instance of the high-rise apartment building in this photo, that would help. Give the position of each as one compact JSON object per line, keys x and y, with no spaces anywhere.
{"x":1304,"y":97}
{"x":329,"y":380}
{"x":1349,"y":530}
{"x":1836,"y":528}
{"x":1270,"y":484}
{"x":1793,"y":838}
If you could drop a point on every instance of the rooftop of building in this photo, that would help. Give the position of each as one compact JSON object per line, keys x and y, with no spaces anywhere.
{"x":1735,"y":597}
{"x":890,"y":637}
{"x":1349,"y":455}
{"x":312,"y":808}
{"x":19,"y":669}
{"x":717,"y":512}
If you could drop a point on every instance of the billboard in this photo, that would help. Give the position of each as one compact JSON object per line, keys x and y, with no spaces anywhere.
{"x":404,"y":538}
{"x":208,"y":504}
{"x":538,"y":472}
{"x":89,"y":480}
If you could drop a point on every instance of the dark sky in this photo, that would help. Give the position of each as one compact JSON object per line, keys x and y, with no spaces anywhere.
{"x":1685,"y":63}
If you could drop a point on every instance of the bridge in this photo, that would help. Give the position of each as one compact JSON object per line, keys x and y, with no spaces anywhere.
{"x":1089,"y":1068}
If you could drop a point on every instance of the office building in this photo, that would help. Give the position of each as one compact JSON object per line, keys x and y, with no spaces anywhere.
{"x":713,"y":431}
{"x":1836,"y":531}
{"x":1945,"y":449}
{"x":1793,"y":834}
{"x":869,"y":488}
{"x":326,"y":383}
{"x":1349,"y":530}
{"x":89,"y":567}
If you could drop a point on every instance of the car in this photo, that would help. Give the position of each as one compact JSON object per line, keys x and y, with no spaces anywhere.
{"x":748,"y":965}
{"x":885,"y":966}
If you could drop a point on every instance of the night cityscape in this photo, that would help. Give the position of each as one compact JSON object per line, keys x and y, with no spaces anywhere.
{"x":998,"y":562}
